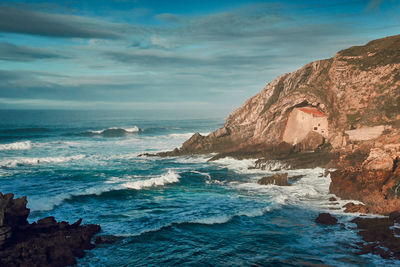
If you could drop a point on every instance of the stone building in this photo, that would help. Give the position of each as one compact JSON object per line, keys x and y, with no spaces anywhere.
{"x":303,"y":120}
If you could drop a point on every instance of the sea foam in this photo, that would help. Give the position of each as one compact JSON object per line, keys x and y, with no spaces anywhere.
{"x":21,"y":161}
{"x":16,"y":146}
{"x":168,"y":178}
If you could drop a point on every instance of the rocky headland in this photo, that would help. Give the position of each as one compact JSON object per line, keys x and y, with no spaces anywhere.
{"x":42,"y":243}
{"x":341,"y":113}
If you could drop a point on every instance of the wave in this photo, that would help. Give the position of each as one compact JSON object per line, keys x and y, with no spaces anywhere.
{"x":22,"y":161}
{"x":112,"y":184}
{"x":16,"y":146}
{"x":168,"y":178}
{"x":112,"y":132}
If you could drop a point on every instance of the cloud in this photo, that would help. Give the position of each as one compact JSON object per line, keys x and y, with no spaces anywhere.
{"x":17,"y":20}
{"x":11,"y":52}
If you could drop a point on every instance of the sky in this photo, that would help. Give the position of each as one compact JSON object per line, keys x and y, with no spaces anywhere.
{"x":203,"y":56}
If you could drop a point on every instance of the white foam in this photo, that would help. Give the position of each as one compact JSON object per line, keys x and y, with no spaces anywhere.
{"x":16,"y":146}
{"x":17,"y":161}
{"x":213,"y":220}
{"x":168,"y":178}
{"x":312,"y":190}
{"x":239,"y":166}
{"x":133,"y":129}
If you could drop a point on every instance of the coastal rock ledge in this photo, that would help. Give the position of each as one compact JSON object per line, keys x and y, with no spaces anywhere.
{"x":42,"y":243}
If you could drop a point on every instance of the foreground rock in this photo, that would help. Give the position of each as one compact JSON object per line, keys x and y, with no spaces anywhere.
{"x":326,"y":219}
{"x":42,"y":243}
{"x":380,"y":236}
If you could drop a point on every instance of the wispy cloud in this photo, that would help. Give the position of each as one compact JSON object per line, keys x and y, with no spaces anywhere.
{"x":12,"y":52}
{"x":18,"y":20}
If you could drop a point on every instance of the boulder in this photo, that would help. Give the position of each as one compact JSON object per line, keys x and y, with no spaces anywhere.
{"x":277,"y":179}
{"x":326,"y":219}
{"x":378,"y":160}
{"x":312,"y":141}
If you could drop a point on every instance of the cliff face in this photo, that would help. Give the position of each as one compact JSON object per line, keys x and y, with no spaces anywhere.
{"x":358,"y":87}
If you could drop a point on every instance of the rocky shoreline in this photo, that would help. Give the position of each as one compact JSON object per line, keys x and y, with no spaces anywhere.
{"x":42,"y":243}
{"x":340,"y":113}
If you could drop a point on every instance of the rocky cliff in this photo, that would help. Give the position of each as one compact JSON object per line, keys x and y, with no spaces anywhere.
{"x":358,"y":87}
{"x":359,"y":92}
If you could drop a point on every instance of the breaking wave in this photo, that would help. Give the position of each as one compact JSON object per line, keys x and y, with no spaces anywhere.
{"x":168,"y":178}
{"x":113,"y":132}
{"x":22,"y":161}
{"x":16,"y":146}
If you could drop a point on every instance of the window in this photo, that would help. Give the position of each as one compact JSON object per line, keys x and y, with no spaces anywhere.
{"x":315,"y":128}
{"x":319,"y":124}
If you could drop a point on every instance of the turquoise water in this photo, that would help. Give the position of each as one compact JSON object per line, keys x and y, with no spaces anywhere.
{"x":167,"y":211}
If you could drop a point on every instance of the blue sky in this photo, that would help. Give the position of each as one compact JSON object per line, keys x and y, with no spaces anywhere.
{"x":170,"y":55}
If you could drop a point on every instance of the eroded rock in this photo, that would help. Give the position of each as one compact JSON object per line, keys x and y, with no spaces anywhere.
{"x":277,"y":179}
{"x":42,"y":243}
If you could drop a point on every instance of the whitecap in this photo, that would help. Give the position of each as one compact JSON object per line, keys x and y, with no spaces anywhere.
{"x":18,"y":161}
{"x":168,"y":178}
{"x":16,"y":146}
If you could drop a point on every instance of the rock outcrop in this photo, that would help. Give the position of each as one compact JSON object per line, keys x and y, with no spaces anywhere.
{"x":42,"y":243}
{"x":326,"y":219}
{"x":379,"y":190}
{"x":358,"y":87}
{"x":380,"y":236}
{"x":276,"y":179}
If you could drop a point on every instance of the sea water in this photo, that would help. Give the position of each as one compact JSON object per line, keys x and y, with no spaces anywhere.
{"x":168,"y":211}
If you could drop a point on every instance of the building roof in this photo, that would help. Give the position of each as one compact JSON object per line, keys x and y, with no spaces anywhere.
{"x":313,"y":111}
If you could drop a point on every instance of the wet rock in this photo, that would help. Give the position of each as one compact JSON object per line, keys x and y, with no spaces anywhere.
{"x":380,"y":236}
{"x":352,"y":208}
{"x":277,"y":179}
{"x":326,"y":219}
{"x":42,"y":243}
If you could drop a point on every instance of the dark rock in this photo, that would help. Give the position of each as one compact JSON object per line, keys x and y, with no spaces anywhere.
{"x":351,"y":208}
{"x":42,"y":243}
{"x":379,"y":237}
{"x":326,"y":219}
{"x":332,"y":199}
{"x":277,"y":179}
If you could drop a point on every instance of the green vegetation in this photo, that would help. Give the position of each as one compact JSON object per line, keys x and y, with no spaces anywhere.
{"x":353,"y":119}
{"x":379,"y":52}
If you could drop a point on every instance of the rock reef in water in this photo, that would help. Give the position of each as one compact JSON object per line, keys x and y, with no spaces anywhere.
{"x":42,"y":243}
{"x":326,"y":219}
{"x":276,"y":179}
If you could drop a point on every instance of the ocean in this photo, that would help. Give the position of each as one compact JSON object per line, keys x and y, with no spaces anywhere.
{"x":168,"y":211}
